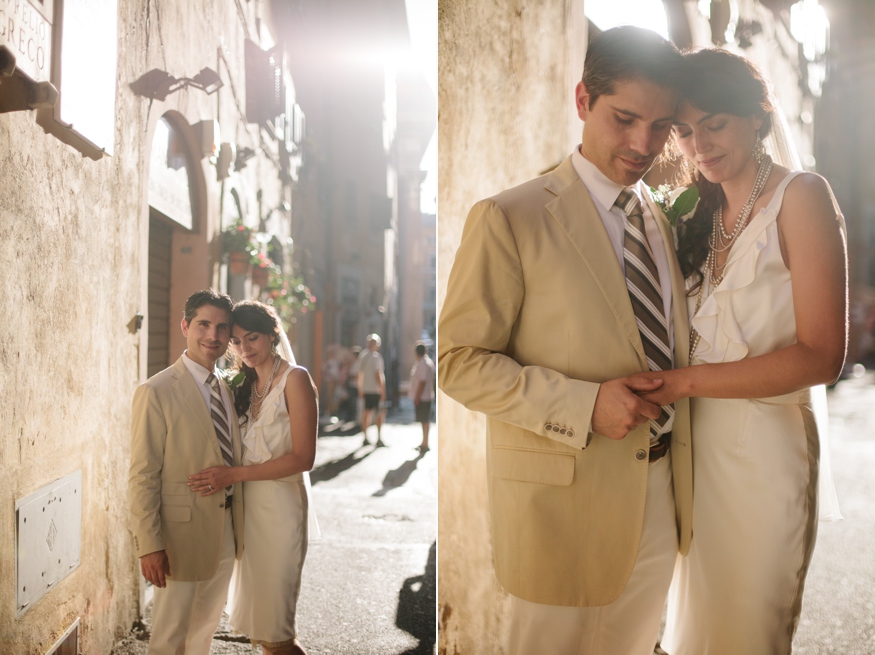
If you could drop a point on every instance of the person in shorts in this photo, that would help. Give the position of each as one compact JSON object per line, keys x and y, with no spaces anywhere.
{"x":372,"y":386}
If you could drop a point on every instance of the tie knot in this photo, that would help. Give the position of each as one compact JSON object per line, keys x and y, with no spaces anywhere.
{"x":211,"y":380}
{"x":628,"y":202}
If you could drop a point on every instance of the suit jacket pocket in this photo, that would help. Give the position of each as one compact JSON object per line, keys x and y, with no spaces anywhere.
{"x":175,"y":513}
{"x":175,"y":489}
{"x":539,"y":466}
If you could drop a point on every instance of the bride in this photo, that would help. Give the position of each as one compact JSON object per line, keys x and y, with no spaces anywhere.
{"x":764,"y":258}
{"x":278,"y":403}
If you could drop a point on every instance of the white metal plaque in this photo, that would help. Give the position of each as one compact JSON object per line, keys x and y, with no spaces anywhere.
{"x":26,"y":29}
{"x":47,"y":539}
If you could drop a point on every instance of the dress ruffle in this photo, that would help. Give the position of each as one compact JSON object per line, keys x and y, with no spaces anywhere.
{"x":255,"y":448}
{"x":720,"y":335}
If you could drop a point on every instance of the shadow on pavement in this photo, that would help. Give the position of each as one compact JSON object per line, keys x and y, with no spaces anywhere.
{"x":416,"y":607}
{"x":330,"y":470}
{"x":339,"y":428}
{"x":396,"y":477}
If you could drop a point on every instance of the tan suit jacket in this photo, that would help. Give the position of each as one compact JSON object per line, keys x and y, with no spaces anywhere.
{"x":172,"y":436}
{"x":536,"y":316}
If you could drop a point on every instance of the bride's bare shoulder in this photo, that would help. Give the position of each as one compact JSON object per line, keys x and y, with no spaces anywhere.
{"x":299,"y":380}
{"x":811,"y":190}
{"x":809,"y":208}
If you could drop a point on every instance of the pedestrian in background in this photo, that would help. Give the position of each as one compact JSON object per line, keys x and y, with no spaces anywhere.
{"x":421,"y":390}
{"x":372,"y":386}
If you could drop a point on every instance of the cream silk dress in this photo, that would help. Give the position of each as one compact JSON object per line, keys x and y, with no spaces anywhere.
{"x":755,"y":470}
{"x":267,"y":579}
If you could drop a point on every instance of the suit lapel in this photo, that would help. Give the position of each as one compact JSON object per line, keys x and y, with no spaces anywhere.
{"x":678,"y":288}
{"x":574,"y":211}
{"x":186,"y":389}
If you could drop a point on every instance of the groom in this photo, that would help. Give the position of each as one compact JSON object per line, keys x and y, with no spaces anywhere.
{"x":183,"y":422}
{"x":561,"y":288}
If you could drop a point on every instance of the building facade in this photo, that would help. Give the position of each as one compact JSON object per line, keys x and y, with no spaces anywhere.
{"x":369,"y":118}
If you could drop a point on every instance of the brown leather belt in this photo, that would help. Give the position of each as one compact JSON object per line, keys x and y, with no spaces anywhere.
{"x":660,"y":448}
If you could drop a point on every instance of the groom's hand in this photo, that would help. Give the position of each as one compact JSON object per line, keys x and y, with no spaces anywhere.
{"x":618,"y":410}
{"x":156,"y":567}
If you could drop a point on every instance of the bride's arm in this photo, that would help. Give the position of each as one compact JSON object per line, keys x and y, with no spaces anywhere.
{"x":300,"y":395}
{"x":813,"y":247}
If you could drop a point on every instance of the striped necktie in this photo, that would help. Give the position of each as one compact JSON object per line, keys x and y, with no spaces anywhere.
{"x":220,"y":421}
{"x":642,"y":281}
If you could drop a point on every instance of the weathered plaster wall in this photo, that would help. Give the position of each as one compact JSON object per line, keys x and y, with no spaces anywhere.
{"x":73,"y":256}
{"x":68,"y":247}
{"x":507,"y":72}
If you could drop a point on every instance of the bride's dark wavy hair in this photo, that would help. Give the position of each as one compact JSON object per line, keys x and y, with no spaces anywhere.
{"x":716,"y":82}
{"x":252,"y":316}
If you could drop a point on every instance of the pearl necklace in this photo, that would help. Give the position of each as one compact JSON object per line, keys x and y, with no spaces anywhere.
{"x":255,"y":397}
{"x":720,"y":241}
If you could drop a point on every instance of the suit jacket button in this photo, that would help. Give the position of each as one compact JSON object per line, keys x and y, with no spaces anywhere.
{"x":640,"y":454}
{"x":570,"y":434}
{"x":555,"y":428}
{"x":548,"y":427}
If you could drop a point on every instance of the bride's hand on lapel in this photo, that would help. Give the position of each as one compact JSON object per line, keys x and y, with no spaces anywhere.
{"x":213,"y":479}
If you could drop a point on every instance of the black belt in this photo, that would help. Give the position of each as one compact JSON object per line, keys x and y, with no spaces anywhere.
{"x":227,"y":502}
{"x":660,"y":448}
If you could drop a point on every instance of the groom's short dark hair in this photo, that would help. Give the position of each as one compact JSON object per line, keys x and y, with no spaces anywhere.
{"x":207,"y":297}
{"x":627,"y":53}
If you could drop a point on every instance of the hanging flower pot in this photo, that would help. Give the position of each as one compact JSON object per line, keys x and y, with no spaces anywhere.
{"x":259,"y":276}
{"x":238,"y":262}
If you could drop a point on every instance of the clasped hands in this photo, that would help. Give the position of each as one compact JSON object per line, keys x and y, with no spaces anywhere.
{"x":625,"y":403}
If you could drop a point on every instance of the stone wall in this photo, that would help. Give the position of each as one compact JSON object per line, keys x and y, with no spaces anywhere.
{"x":506,"y":74}
{"x":73,"y":255}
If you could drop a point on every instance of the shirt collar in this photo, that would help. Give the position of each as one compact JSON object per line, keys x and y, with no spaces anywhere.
{"x":198,"y":372}
{"x":600,"y":187}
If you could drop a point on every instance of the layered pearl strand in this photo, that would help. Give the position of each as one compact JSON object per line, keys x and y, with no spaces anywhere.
{"x":255,"y":398}
{"x":721,"y":241}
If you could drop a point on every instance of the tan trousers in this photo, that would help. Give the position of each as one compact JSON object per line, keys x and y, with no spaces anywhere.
{"x":185,"y":615}
{"x":629,"y":625}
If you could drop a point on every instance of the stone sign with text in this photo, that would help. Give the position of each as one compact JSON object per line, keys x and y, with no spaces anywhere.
{"x":26,"y":29}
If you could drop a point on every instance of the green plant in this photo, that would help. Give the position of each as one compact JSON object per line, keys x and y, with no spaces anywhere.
{"x":260,"y":260}
{"x":237,"y":238}
{"x":289,"y":295}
